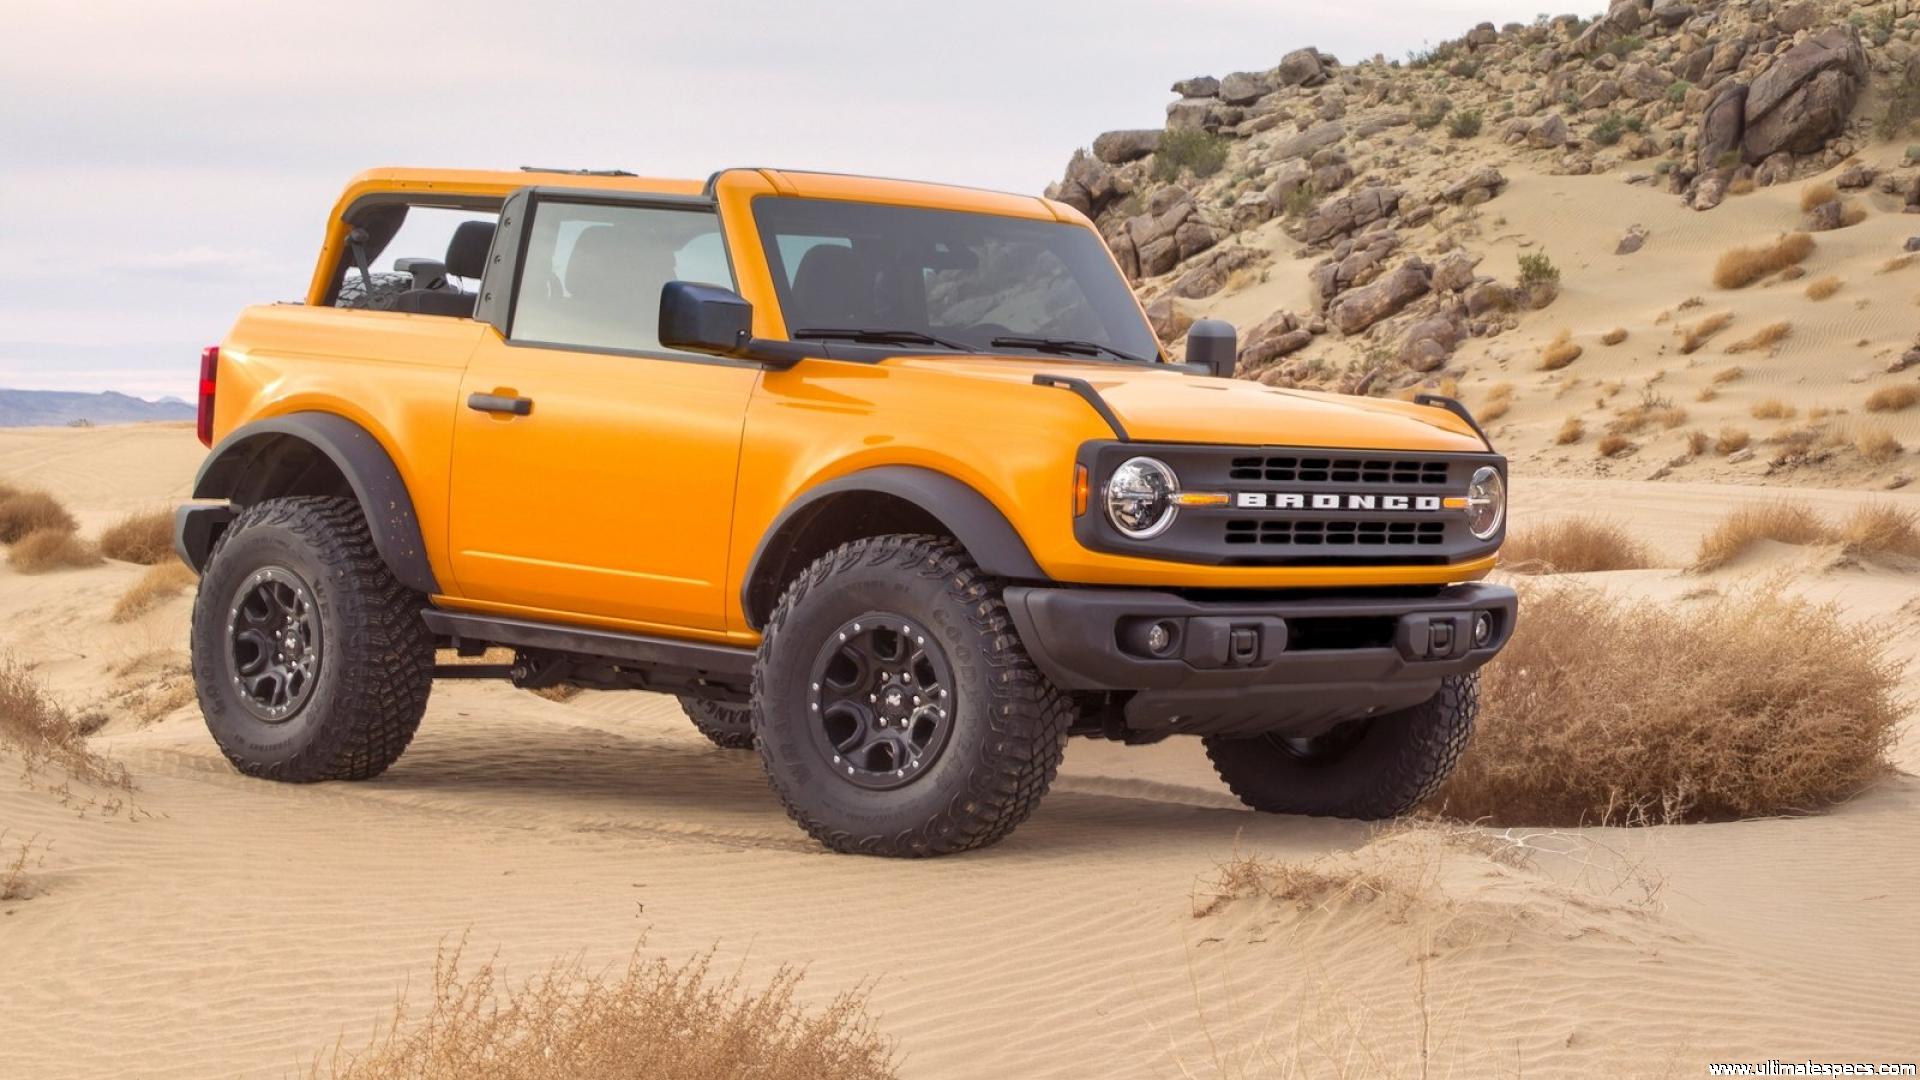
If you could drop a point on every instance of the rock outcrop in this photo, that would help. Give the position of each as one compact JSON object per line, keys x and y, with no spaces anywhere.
{"x":1805,"y":96}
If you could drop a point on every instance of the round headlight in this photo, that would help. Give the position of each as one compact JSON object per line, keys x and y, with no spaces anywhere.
{"x":1486,"y":502}
{"x":1140,"y":498}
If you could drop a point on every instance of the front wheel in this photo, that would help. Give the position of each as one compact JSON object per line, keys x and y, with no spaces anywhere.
{"x":1377,"y":767}
{"x":895,"y":709}
{"x":310,"y":658}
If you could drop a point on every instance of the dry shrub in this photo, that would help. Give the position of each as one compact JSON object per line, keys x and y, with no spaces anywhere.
{"x":1499,"y":390}
{"x":1764,"y":338}
{"x":159,"y":584}
{"x":1697,"y":334}
{"x":1559,"y":352}
{"x":1697,"y":442}
{"x":1728,"y":374}
{"x":1879,"y":529}
{"x":1577,"y":545}
{"x":1877,"y":445}
{"x":1494,"y":410}
{"x":1741,"y":186}
{"x":146,"y":538}
{"x":1741,"y":267}
{"x":1852,"y":214}
{"x":1772,"y":409}
{"x":22,"y":512}
{"x":1893,"y":398}
{"x":43,"y":550}
{"x":1614,"y":336}
{"x":1780,"y":522}
{"x":1817,"y":194}
{"x":1613,"y":445}
{"x":1898,"y":262}
{"x":1707,"y":393}
{"x":1731,"y":439}
{"x":1821,"y":288}
{"x":1604,"y":710}
{"x":44,"y":734}
{"x":1571,"y":431}
{"x":13,"y":870}
{"x":652,"y":1019}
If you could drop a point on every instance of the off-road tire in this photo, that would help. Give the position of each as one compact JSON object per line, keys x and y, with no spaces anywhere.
{"x":1395,"y":764}
{"x":376,"y":655}
{"x":725,"y":724}
{"x":1008,"y":727}
{"x":386,"y":288}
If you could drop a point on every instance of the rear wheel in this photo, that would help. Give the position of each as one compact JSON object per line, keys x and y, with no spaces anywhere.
{"x":725,"y":724}
{"x":310,"y":658}
{"x":1377,"y":767}
{"x":895,"y":709}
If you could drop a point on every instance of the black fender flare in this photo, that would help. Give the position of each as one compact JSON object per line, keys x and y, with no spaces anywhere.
{"x":237,"y":470}
{"x":971,"y":517}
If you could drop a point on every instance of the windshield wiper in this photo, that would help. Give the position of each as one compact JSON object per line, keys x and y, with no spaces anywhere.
{"x":878,"y":336}
{"x":1063,"y":345}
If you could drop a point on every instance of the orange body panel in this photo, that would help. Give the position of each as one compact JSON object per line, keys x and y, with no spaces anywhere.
{"x":636,"y":493}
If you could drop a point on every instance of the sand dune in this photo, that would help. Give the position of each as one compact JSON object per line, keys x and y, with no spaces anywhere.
{"x":235,"y":927}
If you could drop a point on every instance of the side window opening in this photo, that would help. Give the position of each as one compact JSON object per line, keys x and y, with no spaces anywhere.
{"x":593,"y":272}
{"x":426,"y":260}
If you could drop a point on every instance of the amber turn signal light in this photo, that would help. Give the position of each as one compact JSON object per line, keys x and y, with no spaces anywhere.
{"x":1080,"y":492}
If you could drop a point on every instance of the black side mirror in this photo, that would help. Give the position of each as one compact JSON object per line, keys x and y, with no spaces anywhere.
{"x":1213,"y":346}
{"x":719,"y":322}
{"x":704,"y":319}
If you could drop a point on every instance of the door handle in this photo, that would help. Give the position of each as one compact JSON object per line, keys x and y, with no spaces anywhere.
{"x":500,"y":403}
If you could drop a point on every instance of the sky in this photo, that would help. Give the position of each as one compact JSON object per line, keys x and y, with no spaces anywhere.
{"x":164,"y":163}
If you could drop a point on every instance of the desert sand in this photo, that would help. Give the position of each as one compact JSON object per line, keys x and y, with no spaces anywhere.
{"x":226,"y":926}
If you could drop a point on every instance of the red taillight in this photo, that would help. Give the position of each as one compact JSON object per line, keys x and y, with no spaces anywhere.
{"x":209,"y":371}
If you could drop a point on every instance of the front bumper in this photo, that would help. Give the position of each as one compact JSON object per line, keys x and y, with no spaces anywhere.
{"x":1273,"y":664}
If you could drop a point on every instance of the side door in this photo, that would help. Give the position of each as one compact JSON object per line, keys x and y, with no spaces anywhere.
{"x":593,"y":470}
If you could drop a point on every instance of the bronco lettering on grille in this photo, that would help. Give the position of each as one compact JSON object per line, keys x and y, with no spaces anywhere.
{"x":1289,"y":500}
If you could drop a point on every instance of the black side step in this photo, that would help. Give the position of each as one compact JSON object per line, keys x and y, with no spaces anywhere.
{"x":727,"y":662}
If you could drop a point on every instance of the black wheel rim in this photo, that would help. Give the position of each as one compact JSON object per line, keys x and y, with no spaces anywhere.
{"x":273,"y":643}
{"x":880,"y":701}
{"x":1327,"y":746}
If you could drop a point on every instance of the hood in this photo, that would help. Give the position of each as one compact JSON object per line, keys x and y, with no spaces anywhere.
{"x":1162,"y":404}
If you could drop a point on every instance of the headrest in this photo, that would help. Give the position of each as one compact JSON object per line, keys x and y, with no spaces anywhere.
{"x":467,"y":251}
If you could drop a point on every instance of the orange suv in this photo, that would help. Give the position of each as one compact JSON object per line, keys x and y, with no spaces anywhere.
{"x":889,"y":481}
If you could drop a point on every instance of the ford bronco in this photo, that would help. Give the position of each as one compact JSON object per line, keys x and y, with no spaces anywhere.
{"x":889,"y":481}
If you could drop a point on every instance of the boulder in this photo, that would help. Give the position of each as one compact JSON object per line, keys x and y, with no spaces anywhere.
{"x":1856,"y":176}
{"x":1604,"y":93}
{"x":1454,"y":272}
{"x":1211,"y":275}
{"x":1825,"y":217}
{"x":1354,"y":210}
{"x":1352,"y":263}
{"x":1634,"y":240}
{"x":1477,"y":186}
{"x":1301,"y":67}
{"x":1671,"y":13}
{"x":1200,"y":86}
{"x":1722,"y":125}
{"x":1548,"y":132}
{"x":1190,"y":113}
{"x":1360,"y":308}
{"x":1804,"y":97}
{"x":1315,"y":138}
{"x":1090,"y":186}
{"x":1374,"y":125}
{"x":1244,"y":88}
{"x":1168,"y":319}
{"x":1794,"y":18}
{"x":1429,"y":343}
{"x":1120,"y":147}
{"x":1489,"y":297}
{"x":1482,"y":36}
{"x":1643,"y":82}
{"x":1710,"y":192}
{"x":1278,"y":335}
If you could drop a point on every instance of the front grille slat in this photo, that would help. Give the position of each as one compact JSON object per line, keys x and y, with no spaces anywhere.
{"x":1300,"y":469}
{"x":1336,"y":533}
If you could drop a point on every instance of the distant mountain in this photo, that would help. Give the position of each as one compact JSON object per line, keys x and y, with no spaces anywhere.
{"x":56,"y":408}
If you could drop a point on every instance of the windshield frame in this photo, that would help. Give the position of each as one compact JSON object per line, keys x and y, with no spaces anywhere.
{"x":793,"y":321}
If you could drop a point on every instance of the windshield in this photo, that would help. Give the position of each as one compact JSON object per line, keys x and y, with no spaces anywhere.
{"x":941,"y":278}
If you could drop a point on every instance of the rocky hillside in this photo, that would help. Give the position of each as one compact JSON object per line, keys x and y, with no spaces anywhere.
{"x":1386,"y":175}
{"x":50,"y":408}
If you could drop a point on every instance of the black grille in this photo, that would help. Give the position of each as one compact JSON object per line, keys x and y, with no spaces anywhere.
{"x":1336,"y":533}
{"x":1339,"y":470}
